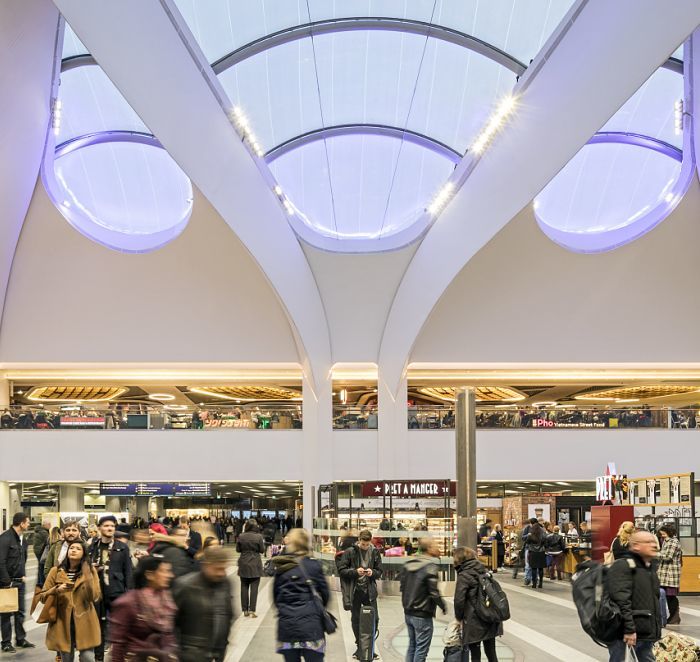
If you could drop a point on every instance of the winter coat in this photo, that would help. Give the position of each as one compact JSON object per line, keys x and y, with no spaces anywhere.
{"x":78,"y":604}
{"x":250,"y":545}
{"x":347,"y":566}
{"x":13,"y":556}
{"x":536,"y":556}
{"x":40,"y":540}
{"x":670,"y":562}
{"x":299,"y":615}
{"x":196,"y":598}
{"x":419,"y":587}
{"x":636,"y":592}
{"x":554,"y":543}
{"x":474,"y":629}
{"x":177,"y":556}
{"x":121,"y":570}
{"x":618,"y":549}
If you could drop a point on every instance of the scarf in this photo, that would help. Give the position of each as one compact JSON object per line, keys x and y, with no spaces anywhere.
{"x":285,"y":562}
{"x":157,"y":609}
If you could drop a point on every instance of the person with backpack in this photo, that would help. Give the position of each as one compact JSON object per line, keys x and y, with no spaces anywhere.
{"x":555,"y":547}
{"x":536,"y":555}
{"x":633,"y":586}
{"x":480,"y":624}
{"x":420,"y":598}
{"x":670,"y":559}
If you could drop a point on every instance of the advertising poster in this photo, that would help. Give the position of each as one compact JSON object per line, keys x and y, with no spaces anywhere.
{"x":538,"y":511}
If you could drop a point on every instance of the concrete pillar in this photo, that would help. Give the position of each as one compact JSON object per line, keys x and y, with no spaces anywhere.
{"x":156,"y":506}
{"x":113,"y":504}
{"x":15,"y":501}
{"x":71,"y":499}
{"x":142,"y":507}
{"x":5,"y":512}
{"x":465,"y":441}
{"x":5,"y":386}
{"x":318,"y":441}
{"x":393,"y":451}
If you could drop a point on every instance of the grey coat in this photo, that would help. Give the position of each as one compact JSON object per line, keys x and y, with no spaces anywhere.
{"x":250,"y":545}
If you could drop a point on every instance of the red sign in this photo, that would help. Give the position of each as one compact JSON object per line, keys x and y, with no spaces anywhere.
{"x":409,"y":489}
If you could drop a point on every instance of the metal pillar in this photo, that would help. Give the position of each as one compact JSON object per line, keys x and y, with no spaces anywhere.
{"x":465,"y":429}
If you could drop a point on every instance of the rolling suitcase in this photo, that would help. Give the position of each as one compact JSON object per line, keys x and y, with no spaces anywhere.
{"x":367,"y":634}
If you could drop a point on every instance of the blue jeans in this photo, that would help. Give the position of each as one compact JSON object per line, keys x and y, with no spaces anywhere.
{"x":420,"y":634}
{"x":617,"y":651}
{"x":528,"y":569}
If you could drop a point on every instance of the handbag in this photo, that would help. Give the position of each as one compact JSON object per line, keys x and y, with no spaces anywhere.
{"x":329,"y":622}
{"x":46,"y":612}
{"x":631,"y":654}
{"x":9,"y":600}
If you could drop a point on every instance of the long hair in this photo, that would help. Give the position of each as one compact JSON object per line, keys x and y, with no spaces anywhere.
{"x":83,"y":566}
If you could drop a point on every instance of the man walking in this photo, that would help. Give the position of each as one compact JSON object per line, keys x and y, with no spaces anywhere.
{"x":13,"y":559}
{"x":636,"y":592}
{"x":359,"y":568}
{"x":204,"y":609}
{"x":57,"y":551}
{"x":420,"y":598}
{"x":112,"y":560}
{"x":523,"y":536}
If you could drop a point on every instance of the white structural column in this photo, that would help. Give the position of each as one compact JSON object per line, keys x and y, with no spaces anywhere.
{"x":393,"y":454}
{"x":147,"y":50}
{"x":71,"y":499}
{"x":695,"y":86}
{"x":113,"y":504}
{"x":318,"y":441}
{"x":569,"y":91}
{"x":5,"y":511}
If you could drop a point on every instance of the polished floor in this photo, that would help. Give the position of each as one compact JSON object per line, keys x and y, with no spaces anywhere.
{"x":544,"y":627}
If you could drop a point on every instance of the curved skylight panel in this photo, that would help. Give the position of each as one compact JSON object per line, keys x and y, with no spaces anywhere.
{"x":368,"y":77}
{"x":127,"y":190}
{"x":519,"y":28}
{"x":91,"y":103}
{"x":650,"y":111}
{"x":378,"y":185}
{"x":72,"y":46}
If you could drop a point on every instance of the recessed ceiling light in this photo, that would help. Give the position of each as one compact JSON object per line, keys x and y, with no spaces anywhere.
{"x":562,"y":483}
{"x":161,"y":396}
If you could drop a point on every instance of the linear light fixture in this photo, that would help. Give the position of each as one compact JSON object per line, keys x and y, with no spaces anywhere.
{"x":440,"y":201}
{"x":56,"y":119}
{"x":678,"y":117}
{"x":242,"y":125}
{"x":504,"y":110}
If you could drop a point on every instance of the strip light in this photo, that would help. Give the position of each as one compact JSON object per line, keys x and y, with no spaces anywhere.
{"x":505,"y":108}
{"x":440,"y":201}
{"x":286,"y":203}
{"x":56,"y":118}
{"x":240,"y":121}
{"x":678,"y":117}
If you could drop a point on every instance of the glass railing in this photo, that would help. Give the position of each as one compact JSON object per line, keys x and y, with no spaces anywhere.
{"x":349,"y":417}
{"x":152,"y":417}
{"x":433,"y":418}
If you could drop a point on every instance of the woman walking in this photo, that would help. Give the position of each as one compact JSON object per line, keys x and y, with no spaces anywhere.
{"x":500,"y":545}
{"x":536,"y":553}
{"x":670,"y":561}
{"x":250,"y":545}
{"x":300,"y":631}
{"x":74,"y":586}
{"x":622,"y":540}
{"x":142,"y":621}
{"x":474,"y":631}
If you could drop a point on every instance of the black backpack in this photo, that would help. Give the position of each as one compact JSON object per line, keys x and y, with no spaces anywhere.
{"x":491,"y":602}
{"x":600,"y":617}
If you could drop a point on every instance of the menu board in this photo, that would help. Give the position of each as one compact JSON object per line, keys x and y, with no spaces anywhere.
{"x":662,"y":491}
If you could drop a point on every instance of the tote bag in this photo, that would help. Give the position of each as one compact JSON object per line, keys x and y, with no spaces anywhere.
{"x":9,"y":600}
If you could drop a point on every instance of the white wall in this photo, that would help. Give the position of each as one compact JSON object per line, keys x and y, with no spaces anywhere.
{"x":522,"y":298}
{"x":154,"y":455}
{"x":355,"y":455}
{"x":200,"y":298}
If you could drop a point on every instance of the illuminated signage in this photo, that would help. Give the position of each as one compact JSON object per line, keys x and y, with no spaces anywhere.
{"x":409,"y":489}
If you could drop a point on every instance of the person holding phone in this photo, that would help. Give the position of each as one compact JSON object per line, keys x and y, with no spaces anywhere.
{"x":76,"y":587}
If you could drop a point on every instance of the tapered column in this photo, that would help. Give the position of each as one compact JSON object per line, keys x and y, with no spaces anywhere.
{"x":71,"y":499}
{"x":393,"y":452}
{"x":465,"y":435}
{"x":5,"y":511}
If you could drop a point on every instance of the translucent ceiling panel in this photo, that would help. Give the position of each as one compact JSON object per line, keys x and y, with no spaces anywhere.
{"x":650,"y":111}
{"x":72,"y":46}
{"x":519,"y":28}
{"x":377,"y":185}
{"x":278,"y":92}
{"x":92,"y":103}
{"x":608,"y":187}
{"x":128,"y":189}
{"x":368,"y":77}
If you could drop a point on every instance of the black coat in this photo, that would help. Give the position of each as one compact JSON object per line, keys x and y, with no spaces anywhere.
{"x":419,"y":587}
{"x":250,"y":545}
{"x":121,"y":570}
{"x":474,"y":629}
{"x":13,"y":556}
{"x":196,"y":598}
{"x":182,"y":563}
{"x":347,"y":566}
{"x":618,"y":549}
{"x":299,"y":615}
{"x":636,"y":592}
{"x":536,"y":556}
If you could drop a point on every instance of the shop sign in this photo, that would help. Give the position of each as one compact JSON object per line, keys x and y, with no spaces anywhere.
{"x":409,"y":489}
{"x":82,"y":421}
{"x":544,"y":423}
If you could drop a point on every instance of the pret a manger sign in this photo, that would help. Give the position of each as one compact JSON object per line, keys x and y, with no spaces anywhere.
{"x":408,"y":489}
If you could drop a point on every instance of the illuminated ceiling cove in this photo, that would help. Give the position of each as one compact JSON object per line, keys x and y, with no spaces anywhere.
{"x":106,"y":173}
{"x":393,"y":94}
{"x":631,"y":175}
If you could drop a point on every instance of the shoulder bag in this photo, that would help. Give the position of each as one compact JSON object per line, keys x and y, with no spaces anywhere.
{"x":329,"y":622}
